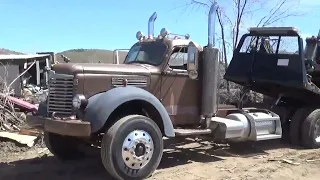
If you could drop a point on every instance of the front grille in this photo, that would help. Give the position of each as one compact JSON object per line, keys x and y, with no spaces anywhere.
{"x":60,"y":94}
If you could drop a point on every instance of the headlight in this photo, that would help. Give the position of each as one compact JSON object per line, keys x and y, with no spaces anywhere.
{"x":79,"y":101}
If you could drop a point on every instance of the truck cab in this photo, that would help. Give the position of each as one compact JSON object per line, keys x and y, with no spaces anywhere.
{"x":276,"y":64}
{"x":157,"y":65}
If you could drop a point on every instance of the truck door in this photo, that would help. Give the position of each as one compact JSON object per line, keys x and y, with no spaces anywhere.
{"x":180,"y":94}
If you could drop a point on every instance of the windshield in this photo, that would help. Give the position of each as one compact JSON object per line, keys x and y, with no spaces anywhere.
{"x":270,"y":44}
{"x":146,"y":53}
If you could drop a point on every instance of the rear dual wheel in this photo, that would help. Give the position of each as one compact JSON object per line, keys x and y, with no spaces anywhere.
{"x":311,"y":130}
{"x":305,"y":128}
{"x":132,"y":148}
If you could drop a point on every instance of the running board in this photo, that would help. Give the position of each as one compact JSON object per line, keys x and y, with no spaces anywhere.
{"x":192,"y":132}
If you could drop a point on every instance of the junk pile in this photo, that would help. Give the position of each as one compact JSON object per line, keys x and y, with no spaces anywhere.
{"x":12,"y":120}
{"x":234,"y":92}
{"x":23,"y":85}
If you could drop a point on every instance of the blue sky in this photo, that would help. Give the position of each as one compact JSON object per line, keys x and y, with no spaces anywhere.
{"x":42,"y":25}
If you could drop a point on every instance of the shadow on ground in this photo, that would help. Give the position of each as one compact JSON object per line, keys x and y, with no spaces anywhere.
{"x":178,"y":153}
{"x":49,"y":168}
{"x":183,"y":151}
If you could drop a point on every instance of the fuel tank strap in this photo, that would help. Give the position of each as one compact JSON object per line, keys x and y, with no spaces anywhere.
{"x":251,"y":121}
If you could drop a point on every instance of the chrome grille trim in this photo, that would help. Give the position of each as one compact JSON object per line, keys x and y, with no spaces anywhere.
{"x":131,"y":81}
{"x":60,"y":94}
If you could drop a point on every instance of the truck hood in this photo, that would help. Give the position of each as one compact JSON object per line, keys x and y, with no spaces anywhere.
{"x":136,"y":69}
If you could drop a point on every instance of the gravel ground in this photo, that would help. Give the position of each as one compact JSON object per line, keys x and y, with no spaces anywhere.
{"x":188,"y":159}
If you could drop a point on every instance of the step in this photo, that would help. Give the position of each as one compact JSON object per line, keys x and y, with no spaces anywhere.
{"x":192,"y":132}
{"x":268,"y":137}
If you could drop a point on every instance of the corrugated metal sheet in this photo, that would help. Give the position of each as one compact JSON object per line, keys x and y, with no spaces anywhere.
{"x":23,"y":56}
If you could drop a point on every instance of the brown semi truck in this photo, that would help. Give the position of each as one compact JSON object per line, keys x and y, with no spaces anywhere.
{"x":166,"y":87}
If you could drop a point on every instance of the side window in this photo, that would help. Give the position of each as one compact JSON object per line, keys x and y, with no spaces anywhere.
{"x":178,"y":59}
{"x":249,"y":43}
{"x":289,"y":45}
{"x":264,"y":44}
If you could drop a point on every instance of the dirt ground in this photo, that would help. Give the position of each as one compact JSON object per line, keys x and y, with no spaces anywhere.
{"x":189,"y":159}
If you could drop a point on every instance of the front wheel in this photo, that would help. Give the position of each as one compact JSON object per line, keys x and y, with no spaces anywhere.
{"x":63,"y":147}
{"x":132,"y":148}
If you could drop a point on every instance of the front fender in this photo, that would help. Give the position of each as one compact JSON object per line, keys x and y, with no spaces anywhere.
{"x":100,"y":106}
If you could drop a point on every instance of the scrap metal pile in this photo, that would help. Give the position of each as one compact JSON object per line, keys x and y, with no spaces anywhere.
{"x":23,"y":85}
{"x":230,"y":93}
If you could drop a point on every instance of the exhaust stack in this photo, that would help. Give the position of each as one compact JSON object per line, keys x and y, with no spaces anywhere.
{"x":210,"y":66}
{"x":152,"y":19}
{"x":211,"y":24}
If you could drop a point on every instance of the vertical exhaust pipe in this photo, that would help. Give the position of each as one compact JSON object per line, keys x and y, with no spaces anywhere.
{"x":211,"y":24}
{"x":211,"y":63}
{"x":152,"y":19}
{"x":115,"y":56}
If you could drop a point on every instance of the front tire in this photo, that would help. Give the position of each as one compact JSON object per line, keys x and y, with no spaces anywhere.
{"x":311,"y":130}
{"x":63,"y":147}
{"x":132,"y":148}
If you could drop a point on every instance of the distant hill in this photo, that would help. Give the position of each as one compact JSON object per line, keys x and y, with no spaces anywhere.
{"x":81,"y":55}
{"x":7,"y":51}
{"x":90,"y":56}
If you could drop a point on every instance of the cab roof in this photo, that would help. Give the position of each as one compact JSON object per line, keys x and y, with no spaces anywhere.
{"x":279,"y":31}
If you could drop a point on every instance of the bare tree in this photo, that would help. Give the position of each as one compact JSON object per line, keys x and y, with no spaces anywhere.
{"x":266,"y":13}
{"x":274,"y":11}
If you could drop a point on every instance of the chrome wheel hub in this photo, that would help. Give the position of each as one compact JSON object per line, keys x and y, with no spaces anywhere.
{"x":137,"y":149}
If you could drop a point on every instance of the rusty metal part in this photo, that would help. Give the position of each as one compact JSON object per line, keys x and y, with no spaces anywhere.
{"x":68,"y":127}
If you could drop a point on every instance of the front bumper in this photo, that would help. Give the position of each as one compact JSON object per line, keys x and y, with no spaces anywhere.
{"x":66,"y":127}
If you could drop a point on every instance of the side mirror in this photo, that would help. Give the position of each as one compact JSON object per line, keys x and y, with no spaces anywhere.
{"x":192,"y":62}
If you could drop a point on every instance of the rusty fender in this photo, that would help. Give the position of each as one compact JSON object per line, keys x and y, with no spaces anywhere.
{"x":100,"y":106}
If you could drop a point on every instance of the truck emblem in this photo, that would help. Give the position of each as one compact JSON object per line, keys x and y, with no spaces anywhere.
{"x":75,"y":82}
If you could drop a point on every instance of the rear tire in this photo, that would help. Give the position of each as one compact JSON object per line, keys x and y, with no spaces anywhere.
{"x":311,"y":130}
{"x":296,"y":125}
{"x":119,"y":146}
{"x":63,"y":147}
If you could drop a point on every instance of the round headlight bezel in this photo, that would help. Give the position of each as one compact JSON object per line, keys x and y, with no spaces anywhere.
{"x":78,"y":101}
